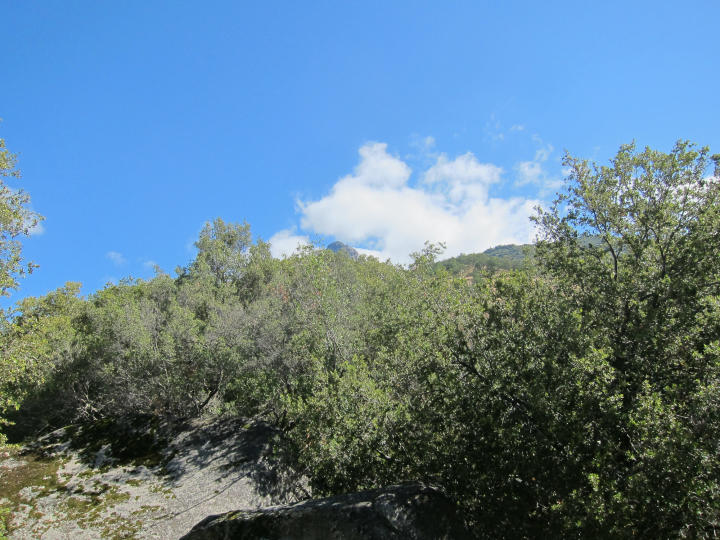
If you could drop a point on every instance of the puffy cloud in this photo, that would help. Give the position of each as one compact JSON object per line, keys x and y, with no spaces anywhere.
{"x":464,"y":178}
{"x":377,"y":209}
{"x":117,"y":258}
{"x":284,"y":243}
{"x":377,"y":168}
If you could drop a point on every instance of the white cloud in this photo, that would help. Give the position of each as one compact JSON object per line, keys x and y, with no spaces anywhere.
{"x":378,"y":168}
{"x":284,"y":243}
{"x":378,"y":209}
{"x":464,"y":178}
{"x":371,"y":253}
{"x":117,"y":258}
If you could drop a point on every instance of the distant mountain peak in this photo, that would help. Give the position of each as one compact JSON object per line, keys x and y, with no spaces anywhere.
{"x":340,"y":247}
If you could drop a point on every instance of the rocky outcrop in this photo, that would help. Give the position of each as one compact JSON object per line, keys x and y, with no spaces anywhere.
{"x":339,"y":247}
{"x":141,"y":479}
{"x":409,"y":511}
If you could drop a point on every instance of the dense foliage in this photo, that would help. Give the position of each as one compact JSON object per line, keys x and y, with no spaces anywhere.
{"x":577,"y":394}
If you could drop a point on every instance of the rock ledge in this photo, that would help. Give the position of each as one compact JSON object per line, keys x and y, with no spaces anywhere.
{"x":412,"y":511}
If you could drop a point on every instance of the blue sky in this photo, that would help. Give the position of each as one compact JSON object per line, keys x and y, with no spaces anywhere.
{"x":381,"y":124}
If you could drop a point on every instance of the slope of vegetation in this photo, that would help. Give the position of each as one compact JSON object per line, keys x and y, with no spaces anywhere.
{"x":577,"y":396}
{"x":474,"y":266}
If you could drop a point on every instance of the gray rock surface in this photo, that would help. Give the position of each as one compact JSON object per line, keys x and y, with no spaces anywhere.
{"x":206,"y":467}
{"x":409,"y":511}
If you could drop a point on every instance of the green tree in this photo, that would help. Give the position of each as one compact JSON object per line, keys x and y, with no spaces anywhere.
{"x":16,"y":220}
{"x":142,"y":352}
{"x":36,"y":342}
{"x":223,"y":250}
{"x":635,"y":248}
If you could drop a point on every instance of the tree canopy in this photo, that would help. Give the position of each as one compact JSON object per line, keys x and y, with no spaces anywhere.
{"x":16,"y":221}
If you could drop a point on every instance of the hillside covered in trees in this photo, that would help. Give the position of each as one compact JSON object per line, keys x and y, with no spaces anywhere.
{"x":574,"y":393}
{"x":474,"y":265}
